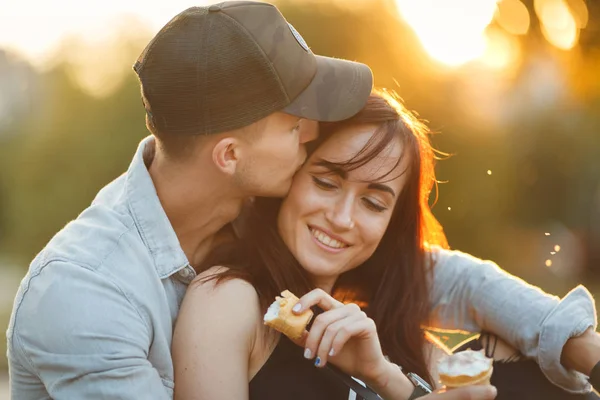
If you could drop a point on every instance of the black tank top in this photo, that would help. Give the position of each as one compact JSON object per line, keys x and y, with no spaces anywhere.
{"x":287,"y":375}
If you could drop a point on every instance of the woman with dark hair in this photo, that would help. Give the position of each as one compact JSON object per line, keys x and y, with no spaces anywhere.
{"x":356,"y":237}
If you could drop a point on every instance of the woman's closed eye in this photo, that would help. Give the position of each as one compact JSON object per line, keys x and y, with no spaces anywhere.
{"x":374,"y":205}
{"x":370,"y":203}
{"x":325,"y":184}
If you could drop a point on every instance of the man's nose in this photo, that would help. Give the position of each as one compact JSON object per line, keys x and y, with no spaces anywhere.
{"x":310,"y":133}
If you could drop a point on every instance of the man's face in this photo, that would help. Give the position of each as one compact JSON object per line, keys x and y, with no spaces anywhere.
{"x":275,"y":154}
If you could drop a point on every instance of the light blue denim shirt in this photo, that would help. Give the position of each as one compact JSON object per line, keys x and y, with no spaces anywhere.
{"x":93,"y":317}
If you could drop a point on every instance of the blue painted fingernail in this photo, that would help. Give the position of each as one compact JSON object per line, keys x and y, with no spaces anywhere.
{"x":297,"y":307}
{"x":318,"y":361}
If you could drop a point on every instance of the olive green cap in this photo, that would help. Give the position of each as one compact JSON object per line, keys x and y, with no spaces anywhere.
{"x":222,"y":67}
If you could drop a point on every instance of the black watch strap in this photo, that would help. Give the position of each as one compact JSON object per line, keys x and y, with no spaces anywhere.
{"x":594,"y":378}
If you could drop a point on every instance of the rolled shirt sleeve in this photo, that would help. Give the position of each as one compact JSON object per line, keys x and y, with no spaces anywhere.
{"x":82,"y":336}
{"x":473,"y":295}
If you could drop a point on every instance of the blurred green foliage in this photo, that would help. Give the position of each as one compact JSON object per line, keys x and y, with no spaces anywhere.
{"x":53,"y":166}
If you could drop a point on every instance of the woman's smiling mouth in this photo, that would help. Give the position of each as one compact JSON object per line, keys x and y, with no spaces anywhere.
{"x":325,"y":241}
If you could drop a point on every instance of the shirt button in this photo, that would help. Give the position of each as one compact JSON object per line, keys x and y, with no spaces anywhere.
{"x":186,"y":273}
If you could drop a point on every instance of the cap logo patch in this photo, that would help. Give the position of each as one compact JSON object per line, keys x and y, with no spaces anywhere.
{"x":299,"y":38}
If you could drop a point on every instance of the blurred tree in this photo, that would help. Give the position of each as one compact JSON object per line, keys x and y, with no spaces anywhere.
{"x":60,"y":159}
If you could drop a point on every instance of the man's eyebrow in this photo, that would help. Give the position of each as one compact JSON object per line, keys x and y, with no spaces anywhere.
{"x":332,"y":167}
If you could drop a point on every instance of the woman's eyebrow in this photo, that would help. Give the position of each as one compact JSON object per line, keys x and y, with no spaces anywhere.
{"x":382,"y":187}
{"x":332,"y":167}
{"x":337,"y":170}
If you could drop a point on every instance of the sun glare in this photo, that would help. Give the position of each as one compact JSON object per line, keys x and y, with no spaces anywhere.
{"x":502,"y":49}
{"x":513,"y":16}
{"x":451,"y":31}
{"x":558,"y":23}
{"x":455,"y":32}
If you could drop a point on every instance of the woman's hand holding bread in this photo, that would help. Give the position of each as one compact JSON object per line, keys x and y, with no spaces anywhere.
{"x":342,"y":335}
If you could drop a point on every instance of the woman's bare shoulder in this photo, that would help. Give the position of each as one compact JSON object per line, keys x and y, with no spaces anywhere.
{"x":231,"y":294}
{"x":214,"y":336}
{"x":232,"y":304}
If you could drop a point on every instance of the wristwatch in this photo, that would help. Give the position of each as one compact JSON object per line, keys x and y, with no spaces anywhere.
{"x":421,"y":386}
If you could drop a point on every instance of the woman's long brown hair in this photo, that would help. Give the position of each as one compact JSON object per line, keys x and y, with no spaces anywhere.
{"x":392,"y":285}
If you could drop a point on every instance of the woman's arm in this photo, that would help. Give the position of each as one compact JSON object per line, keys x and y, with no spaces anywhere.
{"x":474,"y":295}
{"x":213,"y":340}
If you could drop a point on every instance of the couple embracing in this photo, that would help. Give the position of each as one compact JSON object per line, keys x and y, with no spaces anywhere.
{"x":270,"y":168}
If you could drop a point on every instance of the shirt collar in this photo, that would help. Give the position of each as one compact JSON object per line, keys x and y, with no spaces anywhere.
{"x":149,"y":216}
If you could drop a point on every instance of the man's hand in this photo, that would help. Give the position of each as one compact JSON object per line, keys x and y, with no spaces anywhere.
{"x":479,"y":392}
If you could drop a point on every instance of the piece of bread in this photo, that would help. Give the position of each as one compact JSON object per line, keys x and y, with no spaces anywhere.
{"x":279,"y":316}
{"x":465,"y":368}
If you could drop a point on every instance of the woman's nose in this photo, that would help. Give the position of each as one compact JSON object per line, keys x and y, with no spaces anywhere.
{"x":340,"y":217}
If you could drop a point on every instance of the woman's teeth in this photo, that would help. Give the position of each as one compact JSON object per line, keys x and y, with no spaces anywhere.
{"x":327,"y":240}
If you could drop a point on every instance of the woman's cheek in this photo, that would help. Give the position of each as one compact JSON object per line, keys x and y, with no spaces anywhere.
{"x":375,"y":234}
{"x":310,"y":199}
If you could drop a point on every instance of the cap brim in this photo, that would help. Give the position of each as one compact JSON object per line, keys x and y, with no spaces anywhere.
{"x":339,"y":89}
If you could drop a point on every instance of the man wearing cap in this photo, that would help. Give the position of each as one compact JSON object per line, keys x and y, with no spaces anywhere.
{"x":232,"y":92}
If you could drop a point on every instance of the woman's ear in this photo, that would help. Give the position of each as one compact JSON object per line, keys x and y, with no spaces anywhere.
{"x":226,"y":154}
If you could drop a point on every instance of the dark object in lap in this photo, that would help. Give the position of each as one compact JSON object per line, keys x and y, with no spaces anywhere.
{"x":522,"y":379}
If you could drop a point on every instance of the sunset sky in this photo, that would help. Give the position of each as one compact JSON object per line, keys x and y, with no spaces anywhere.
{"x":35,"y":27}
{"x":453,"y":32}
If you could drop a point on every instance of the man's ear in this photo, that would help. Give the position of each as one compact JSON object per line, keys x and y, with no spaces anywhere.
{"x":226,"y":154}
